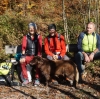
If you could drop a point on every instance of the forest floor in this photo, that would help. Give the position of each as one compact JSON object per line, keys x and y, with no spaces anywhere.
{"x":90,"y":89}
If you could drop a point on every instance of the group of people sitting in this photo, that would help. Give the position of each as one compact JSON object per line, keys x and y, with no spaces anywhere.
{"x":55,"y":48}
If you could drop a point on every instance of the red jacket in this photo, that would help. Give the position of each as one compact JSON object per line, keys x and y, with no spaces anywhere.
{"x":24,"y":44}
{"x":55,"y":45}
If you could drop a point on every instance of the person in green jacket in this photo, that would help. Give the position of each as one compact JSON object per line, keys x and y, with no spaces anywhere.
{"x":88,"y":47}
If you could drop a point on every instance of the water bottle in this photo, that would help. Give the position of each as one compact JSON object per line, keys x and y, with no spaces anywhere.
{"x":18,"y":56}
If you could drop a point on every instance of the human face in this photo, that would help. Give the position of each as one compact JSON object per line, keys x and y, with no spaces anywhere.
{"x":90,"y":28}
{"x":52,"y":32}
{"x":31,"y":30}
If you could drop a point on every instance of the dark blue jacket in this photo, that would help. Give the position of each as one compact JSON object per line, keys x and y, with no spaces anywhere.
{"x":80,"y":38}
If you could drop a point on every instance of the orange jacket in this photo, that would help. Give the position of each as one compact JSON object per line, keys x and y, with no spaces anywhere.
{"x":55,"y":45}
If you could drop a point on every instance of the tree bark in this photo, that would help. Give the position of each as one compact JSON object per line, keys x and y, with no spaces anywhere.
{"x":98,"y":4}
{"x":65,"y":22}
{"x":89,"y":10}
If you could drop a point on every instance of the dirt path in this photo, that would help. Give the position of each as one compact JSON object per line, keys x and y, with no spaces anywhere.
{"x":90,"y":89}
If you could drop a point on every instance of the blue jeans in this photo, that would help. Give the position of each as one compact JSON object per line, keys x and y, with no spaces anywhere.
{"x":79,"y":58}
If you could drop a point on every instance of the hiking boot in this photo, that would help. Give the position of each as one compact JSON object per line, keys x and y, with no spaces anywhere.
{"x":82,"y":76}
{"x":36,"y":82}
{"x":25,"y":82}
{"x":54,"y":82}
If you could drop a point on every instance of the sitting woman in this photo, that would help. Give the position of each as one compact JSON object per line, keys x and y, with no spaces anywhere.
{"x":31,"y":46}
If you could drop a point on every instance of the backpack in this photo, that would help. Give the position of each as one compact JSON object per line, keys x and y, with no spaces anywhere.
{"x":6,"y":72}
{"x":5,"y":68}
{"x":48,"y":37}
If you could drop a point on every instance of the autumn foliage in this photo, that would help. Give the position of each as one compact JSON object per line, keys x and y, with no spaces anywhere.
{"x":16,"y":14}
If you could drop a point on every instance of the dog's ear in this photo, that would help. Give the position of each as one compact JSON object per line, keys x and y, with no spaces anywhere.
{"x":40,"y":62}
{"x":44,"y":59}
{"x":39,"y":58}
{"x":34,"y":61}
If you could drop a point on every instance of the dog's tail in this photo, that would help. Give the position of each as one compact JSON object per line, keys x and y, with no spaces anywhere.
{"x":76,"y":74}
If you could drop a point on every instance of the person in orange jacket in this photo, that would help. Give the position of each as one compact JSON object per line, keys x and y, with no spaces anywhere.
{"x":54,"y":45}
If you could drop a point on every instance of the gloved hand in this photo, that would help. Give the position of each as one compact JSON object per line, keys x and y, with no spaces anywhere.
{"x":59,"y":57}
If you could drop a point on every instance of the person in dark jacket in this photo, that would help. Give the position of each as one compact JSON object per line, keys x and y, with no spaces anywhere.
{"x":31,"y":46}
{"x":88,"y":47}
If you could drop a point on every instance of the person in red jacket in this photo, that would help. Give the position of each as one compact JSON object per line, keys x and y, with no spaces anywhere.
{"x":54,"y":45}
{"x":31,"y":46}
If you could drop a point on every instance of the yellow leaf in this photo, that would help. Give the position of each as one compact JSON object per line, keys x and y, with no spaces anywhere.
{"x":30,"y":6}
{"x":20,"y":5}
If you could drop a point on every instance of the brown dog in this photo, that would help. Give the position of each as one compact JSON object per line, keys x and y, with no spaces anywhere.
{"x":68,"y":69}
{"x":47,"y":67}
{"x":51,"y":68}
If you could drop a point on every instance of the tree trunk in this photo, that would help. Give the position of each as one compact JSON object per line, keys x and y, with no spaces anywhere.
{"x":65,"y":22}
{"x":98,"y":4}
{"x":89,"y":9}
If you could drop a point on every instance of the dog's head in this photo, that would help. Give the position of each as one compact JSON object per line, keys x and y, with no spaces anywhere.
{"x":37,"y":60}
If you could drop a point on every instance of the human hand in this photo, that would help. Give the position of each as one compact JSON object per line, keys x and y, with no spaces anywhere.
{"x":87,"y":59}
{"x":91,"y":56}
{"x":22,"y":60}
{"x":55,"y":57}
{"x":59,"y":57}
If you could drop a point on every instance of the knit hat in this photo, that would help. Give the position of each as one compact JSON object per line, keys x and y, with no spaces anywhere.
{"x":32,"y":24}
{"x":52,"y":26}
